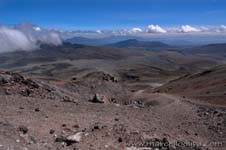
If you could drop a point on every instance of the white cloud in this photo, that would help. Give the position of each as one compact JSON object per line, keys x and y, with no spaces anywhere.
{"x":136,"y":30}
{"x":11,"y":40}
{"x":35,"y":34}
{"x":53,"y":38}
{"x":26,"y":36}
{"x":155,"y":29}
{"x":37,"y":28}
{"x":188,"y":28}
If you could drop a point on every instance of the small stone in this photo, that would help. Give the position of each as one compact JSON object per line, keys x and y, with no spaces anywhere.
{"x":164,"y":140}
{"x":96,"y":127}
{"x":120,"y":140}
{"x":8,"y":92}
{"x":97,"y":99}
{"x":74,"y":78}
{"x":215,"y":112}
{"x":186,"y":132}
{"x":76,"y":137}
{"x":37,"y":109}
{"x":60,"y":139}
{"x":76,"y":126}
{"x":26,"y":92}
{"x":116,"y":119}
{"x":23,"y":129}
{"x":52,"y":131}
{"x":83,"y":130}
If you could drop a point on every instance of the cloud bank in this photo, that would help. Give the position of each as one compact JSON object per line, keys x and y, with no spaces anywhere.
{"x":26,"y":36}
{"x":156,"y":29}
{"x":148,"y":31}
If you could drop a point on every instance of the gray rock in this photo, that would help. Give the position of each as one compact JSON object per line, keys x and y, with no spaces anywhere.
{"x":97,"y":99}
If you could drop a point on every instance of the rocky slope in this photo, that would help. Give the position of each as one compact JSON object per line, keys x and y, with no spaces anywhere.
{"x":77,"y":97}
{"x":154,"y":121}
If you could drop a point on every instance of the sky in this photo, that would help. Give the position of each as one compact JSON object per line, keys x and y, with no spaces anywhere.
{"x":113,"y":14}
{"x":25,"y":23}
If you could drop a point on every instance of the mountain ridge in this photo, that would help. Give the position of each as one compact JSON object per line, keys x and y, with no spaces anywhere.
{"x":138,"y":44}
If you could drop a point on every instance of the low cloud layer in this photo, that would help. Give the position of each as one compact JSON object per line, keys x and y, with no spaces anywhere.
{"x":26,"y":36}
{"x":156,"y":29}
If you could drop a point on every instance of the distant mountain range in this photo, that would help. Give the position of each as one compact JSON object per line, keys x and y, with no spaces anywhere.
{"x":128,"y":42}
{"x":86,"y":41}
{"x":114,"y":42}
{"x":177,"y":40}
{"x":98,"y":41}
{"x":136,"y":44}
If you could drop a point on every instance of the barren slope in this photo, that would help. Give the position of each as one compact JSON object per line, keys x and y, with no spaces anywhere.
{"x":90,"y":98}
{"x":209,"y":86}
{"x":144,"y":119}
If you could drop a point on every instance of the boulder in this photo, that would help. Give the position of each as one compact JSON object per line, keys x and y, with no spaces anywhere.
{"x":23,"y":129}
{"x":97,"y":99}
{"x":76,"y":137}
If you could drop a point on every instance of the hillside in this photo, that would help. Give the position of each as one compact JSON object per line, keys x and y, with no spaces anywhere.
{"x":69,"y":59}
{"x":50,"y":53}
{"x":211,"y":50}
{"x":96,"y":98}
{"x":208,"y":86}
{"x":97,"y":108}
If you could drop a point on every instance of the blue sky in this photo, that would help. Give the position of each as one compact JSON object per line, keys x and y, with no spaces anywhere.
{"x":112,"y":14}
